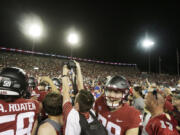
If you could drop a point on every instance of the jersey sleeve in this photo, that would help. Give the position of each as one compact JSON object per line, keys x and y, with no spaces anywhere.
{"x":149,"y":129}
{"x":134,"y":118}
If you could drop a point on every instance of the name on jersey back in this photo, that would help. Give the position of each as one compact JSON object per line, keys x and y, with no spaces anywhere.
{"x":18,"y":107}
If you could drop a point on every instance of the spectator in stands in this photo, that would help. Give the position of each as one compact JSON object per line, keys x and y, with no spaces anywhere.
{"x":52,"y":104}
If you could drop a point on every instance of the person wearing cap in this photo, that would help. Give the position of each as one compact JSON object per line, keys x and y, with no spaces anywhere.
{"x":160,"y":123}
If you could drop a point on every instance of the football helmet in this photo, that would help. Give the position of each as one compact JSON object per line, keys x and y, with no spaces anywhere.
{"x":13,"y":82}
{"x":57,"y":82}
{"x":120,"y":86}
{"x":32,"y":82}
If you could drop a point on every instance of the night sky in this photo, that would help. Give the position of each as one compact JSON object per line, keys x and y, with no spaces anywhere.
{"x":110,"y":31}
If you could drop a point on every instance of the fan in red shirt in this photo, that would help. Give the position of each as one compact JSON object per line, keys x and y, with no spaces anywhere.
{"x":118,"y":117}
{"x":39,"y":92}
{"x":17,"y":115}
{"x":160,"y":123}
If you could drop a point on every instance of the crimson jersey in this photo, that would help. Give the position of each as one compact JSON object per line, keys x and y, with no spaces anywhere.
{"x":39,"y":94}
{"x":119,"y":121}
{"x":161,"y":125}
{"x":18,"y":117}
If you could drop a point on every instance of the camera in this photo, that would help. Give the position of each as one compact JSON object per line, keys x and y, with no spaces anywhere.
{"x":70,"y":64}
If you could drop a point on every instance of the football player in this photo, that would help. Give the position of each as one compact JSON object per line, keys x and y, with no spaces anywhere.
{"x":18,"y":116}
{"x":32,"y":83}
{"x":160,"y":123}
{"x":57,"y":82}
{"x":117,"y":116}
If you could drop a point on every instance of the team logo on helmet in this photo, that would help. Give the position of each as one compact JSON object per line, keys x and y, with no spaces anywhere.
{"x":13,"y":82}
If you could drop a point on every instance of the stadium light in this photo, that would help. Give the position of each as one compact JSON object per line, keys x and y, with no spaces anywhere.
{"x":73,"y":39}
{"x":148,"y":44}
{"x":32,"y":26}
{"x":35,"y":30}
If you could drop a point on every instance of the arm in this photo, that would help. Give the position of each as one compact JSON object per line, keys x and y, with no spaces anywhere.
{"x":39,"y":108}
{"x":65,"y":85}
{"x":34,"y":127}
{"x":50,"y":82}
{"x":132,"y":131}
{"x":148,"y":82}
{"x":79,"y":77}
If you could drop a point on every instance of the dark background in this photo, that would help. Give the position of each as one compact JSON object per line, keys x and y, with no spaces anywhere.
{"x":110,"y":31}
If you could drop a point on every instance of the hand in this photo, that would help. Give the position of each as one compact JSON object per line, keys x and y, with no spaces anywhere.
{"x":77,"y":65}
{"x":65,"y":70}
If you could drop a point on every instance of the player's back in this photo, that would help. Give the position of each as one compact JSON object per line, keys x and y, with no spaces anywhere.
{"x":18,"y":117}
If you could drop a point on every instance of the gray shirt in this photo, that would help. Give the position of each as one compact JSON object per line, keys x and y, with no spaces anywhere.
{"x":138,"y":103}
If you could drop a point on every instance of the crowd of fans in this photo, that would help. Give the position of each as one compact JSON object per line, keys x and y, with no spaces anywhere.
{"x":52,"y":67}
{"x":124,"y":99}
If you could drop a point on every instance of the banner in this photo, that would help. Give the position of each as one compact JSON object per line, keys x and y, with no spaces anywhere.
{"x":66,"y":57}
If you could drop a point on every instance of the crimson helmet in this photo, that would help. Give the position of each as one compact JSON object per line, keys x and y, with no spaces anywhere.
{"x":116,"y":84}
{"x":32,"y":82}
{"x":57,"y":82}
{"x":13,"y":82}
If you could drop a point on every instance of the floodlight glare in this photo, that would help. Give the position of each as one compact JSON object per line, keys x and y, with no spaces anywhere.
{"x":73,"y":38}
{"x":147,"y":43}
{"x":32,"y":26}
{"x":35,"y":30}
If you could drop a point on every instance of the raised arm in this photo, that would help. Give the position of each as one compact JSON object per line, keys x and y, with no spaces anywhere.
{"x":50,"y":82}
{"x":149,"y":85}
{"x":79,"y":77}
{"x":65,"y":85}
